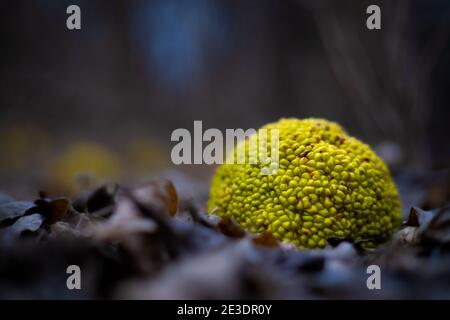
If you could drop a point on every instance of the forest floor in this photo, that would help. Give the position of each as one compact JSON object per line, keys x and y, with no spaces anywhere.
{"x":156,"y":241}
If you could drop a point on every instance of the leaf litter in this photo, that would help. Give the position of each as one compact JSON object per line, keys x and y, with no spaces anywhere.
{"x":151,"y":242}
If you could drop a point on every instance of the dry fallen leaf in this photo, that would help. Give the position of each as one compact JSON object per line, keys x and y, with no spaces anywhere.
{"x":265,"y":239}
{"x":230,"y":228}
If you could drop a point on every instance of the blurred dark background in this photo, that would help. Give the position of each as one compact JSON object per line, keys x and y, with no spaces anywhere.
{"x":107,"y":97}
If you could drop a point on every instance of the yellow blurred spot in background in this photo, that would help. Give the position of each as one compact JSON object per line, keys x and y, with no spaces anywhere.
{"x":83,"y":165}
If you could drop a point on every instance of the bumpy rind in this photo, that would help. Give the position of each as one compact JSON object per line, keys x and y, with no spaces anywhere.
{"x":328,"y":184}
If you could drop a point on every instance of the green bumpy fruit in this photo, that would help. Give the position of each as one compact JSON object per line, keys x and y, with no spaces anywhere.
{"x":328,"y":184}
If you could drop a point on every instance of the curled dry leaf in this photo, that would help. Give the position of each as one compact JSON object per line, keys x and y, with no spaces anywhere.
{"x":418,"y":217}
{"x":228,"y":226}
{"x":29,"y":223}
{"x":190,"y":211}
{"x":65,"y":230}
{"x":58,"y":209}
{"x":14,"y":209}
{"x":125,"y":221}
{"x":160,"y":194}
{"x":407,"y":235}
{"x":416,"y":222}
{"x":437,"y":231}
{"x":172,"y":198}
{"x":265,"y":239}
{"x":97,"y":199}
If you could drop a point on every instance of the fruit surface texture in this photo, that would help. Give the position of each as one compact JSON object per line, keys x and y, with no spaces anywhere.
{"x":328,"y":184}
